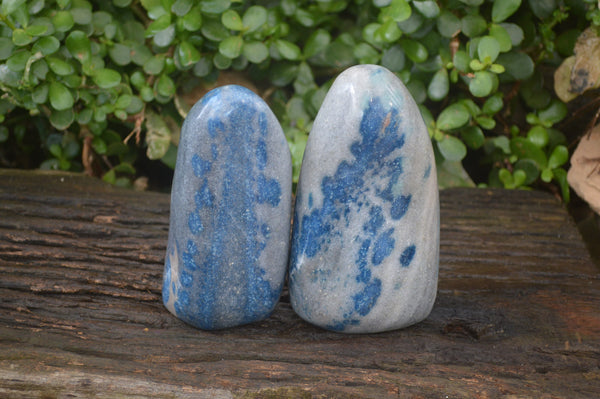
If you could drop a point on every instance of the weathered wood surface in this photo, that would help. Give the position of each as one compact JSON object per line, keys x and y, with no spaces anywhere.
{"x":517,"y":313}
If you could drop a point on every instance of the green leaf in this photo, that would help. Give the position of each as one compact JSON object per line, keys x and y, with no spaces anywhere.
{"x":451,"y":148}
{"x":473,"y":137}
{"x":110,"y":177}
{"x":165,"y":86}
{"x":231,"y":47}
{"x":21,"y":38}
{"x":439,"y":85}
{"x":398,"y":10}
{"x":256,"y":52}
{"x":543,"y":8}
{"x":538,"y":135}
{"x":559,"y":156}
{"x":165,"y":37}
{"x":214,"y":6}
{"x":155,"y":65}
{"x":515,"y":33}
{"x":288,"y":50}
{"x":488,"y":49}
{"x":502,"y":37}
{"x":182,"y":7}
{"x":107,"y":78}
{"x":140,"y":54}
{"x":530,"y":169}
{"x":518,"y":65}
{"x":60,"y":97}
{"x":461,"y":61}
{"x":316,"y":42}
{"x":40,"y":94}
{"x":154,"y":8}
{"x":473,"y":25}
{"x":40,"y":69}
{"x":493,"y":104}
{"x":6,"y":47}
{"x":158,"y":136}
{"x":221,"y":61}
{"x":428,"y":8}
{"x":17,"y":61}
{"x":525,"y":149}
{"x":283,"y":74}
{"x":547,"y":175}
{"x":519,"y":177}
{"x":192,"y":21}
{"x":63,"y":21}
{"x":366,"y":54}
{"x":158,"y":25}
{"x":46,"y":45}
{"x":125,"y":167}
{"x":414,"y":50}
{"x":99,"y":145}
{"x":187,"y":53}
{"x":501,"y":10}
{"x":555,"y":112}
{"x":122,"y":3}
{"x":389,"y":31}
{"x":452,"y":174}
{"x":453,"y":117}
{"x":232,"y":20}
{"x":472,"y":3}
{"x":79,"y":46}
{"x":120,"y":54}
{"x":482,"y":84}
{"x":82,"y":15}
{"x":485,"y":122}
{"x":502,"y":143}
{"x":393,"y":58}
{"x":339,"y":54}
{"x":10,"y":6}
{"x":448,"y":24}
{"x":561,"y":178}
{"x":254,"y":18}
{"x":214,"y":31}
{"x":305,"y":18}
{"x":36,"y":30}
{"x":123,"y":101}
{"x":60,"y":67}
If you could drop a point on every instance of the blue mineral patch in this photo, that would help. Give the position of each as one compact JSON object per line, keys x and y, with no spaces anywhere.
{"x":195,"y":223}
{"x":383,"y":247}
{"x":366,"y":299}
{"x":400,"y":206}
{"x":407,"y":255}
{"x":269,"y":191}
{"x":200,"y":165}
{"x":349,"y":186}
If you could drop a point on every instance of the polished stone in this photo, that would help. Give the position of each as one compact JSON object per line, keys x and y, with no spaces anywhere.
{"x":230,"y":212}
{"x":365,"y":241}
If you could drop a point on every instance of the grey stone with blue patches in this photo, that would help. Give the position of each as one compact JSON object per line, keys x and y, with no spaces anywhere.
{"x":230,"y":212}
{"x":365,"y":241}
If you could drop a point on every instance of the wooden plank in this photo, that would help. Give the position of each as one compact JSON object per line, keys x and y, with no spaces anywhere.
{"x":517,"y":313}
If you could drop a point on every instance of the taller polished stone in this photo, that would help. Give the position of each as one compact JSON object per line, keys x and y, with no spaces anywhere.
{"x":365,"y":243}
{"x":230,"y":212}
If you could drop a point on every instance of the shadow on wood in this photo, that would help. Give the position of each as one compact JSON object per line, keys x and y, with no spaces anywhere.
{"x":517,"y":313}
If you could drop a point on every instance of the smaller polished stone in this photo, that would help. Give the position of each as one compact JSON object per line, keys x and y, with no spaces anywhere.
{"x":230,"y":212}
{"x":365,"y":241}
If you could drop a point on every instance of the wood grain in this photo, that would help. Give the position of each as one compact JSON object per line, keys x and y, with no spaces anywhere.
{"x":517,"y":312}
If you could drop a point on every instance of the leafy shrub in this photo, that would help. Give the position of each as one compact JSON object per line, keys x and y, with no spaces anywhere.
{"x":82,"y":77}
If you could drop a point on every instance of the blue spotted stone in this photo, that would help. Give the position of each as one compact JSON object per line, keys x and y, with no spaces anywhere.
{"x":365,"y":241}
{"x":230,"y":212}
